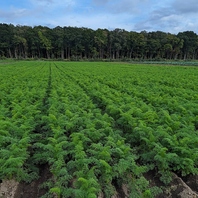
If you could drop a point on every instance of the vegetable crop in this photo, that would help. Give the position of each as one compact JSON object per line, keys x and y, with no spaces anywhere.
{"x":98,"y":126}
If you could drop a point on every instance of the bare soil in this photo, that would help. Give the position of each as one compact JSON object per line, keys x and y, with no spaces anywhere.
{"x":13,"y":189}
{"x":8,"y":188}
{"x":179,"y":187}
{"x":33,"y":190}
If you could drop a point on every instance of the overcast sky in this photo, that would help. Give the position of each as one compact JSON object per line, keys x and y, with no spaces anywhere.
{"x":133,"y":15}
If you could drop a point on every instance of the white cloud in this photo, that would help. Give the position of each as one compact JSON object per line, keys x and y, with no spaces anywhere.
{"x":189,"y":6}
{"x":100,"y":2}
{"x":135,"y":15}
{"x":52,"y":2}
{"x":170,"y":16}
{"x":13,"y":14}
{"x":94,"y":22}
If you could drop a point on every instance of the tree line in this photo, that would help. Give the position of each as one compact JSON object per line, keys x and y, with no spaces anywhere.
{"x":22,"y":42}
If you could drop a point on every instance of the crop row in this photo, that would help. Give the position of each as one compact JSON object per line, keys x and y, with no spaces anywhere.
{"x":47,"y":118}
{"x":87,"y":155}
{"x":20,"y":101}
{"x":160,"y":121}
{"x":97,"y":126}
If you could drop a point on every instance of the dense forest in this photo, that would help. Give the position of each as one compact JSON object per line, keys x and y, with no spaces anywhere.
{"x":22,"y":42}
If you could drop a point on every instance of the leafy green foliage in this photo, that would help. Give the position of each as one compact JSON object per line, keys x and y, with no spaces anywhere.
{"x":97,"y":127}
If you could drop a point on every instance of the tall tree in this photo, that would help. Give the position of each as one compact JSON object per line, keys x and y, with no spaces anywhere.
{"x":100,"y":38}
{"x":58,"y":42}
{"x":46,"y":42}
{"x":78,"y":43}
{"x":6,"y":40}
{"x":190,"y":44}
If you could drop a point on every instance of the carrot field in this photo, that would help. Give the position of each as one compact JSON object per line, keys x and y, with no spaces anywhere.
{"x":98,"y":127}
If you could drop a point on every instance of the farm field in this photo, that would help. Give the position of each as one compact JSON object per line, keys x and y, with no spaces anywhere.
{"x":95,"y":129}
